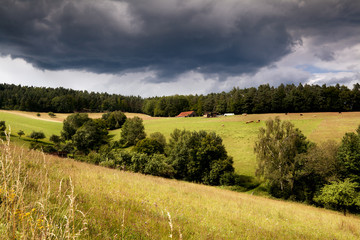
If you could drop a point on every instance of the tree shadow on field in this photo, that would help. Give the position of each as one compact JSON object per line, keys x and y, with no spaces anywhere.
{"x":244,"y":183}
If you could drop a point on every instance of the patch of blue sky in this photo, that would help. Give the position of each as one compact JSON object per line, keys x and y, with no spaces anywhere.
{"x":313,"y":69}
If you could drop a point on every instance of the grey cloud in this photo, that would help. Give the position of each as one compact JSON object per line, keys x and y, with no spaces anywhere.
{"x":326,"y":56}
{"x":170,"y":37}
{"x":347,"y":80}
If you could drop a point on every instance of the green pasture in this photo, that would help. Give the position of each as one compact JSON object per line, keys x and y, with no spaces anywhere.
{"x":238,"y":136}
{"x":28,"y":125}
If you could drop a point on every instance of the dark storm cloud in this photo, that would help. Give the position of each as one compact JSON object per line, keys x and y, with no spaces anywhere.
{"x":170,"y":37}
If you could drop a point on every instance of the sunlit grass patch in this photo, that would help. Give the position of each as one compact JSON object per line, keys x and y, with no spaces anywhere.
{"x":137,"y":206}
{"x":31,"y":205}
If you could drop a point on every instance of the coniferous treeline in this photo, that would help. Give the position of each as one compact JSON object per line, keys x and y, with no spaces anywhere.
{"x":264,"y":99}
{"x":61,"y":100}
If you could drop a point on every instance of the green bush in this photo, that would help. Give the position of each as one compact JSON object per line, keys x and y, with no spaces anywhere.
{"x":2,"y":126}
{"x":159,"y":137}
{"x":138,"y":162}
{"x":279,"y":144}
{"x":108,"y":163}
{"x":37,"y":135}
{"x":122,"y":159}
{"x":148,"y":146}
{"x":158,"y":166}
{"x":20,"y":133}
{"x":94,"y":158}
{"x":341,"y":195}
{"x":46,"y":148}
{"x":132,"y":131}
{"x":114,"y":120}
{"x":349,"y":156}
{"x":198,"y":156}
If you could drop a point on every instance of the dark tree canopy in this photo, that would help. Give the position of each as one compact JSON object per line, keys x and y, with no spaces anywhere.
{"x":349,"y":156}
{"x":198,"y":156}
{"x":114,"y":120}
{"x":72,"y":123}
{"x":159,"y":137}
{"x":37,"y":135}
{"x":149,"y":146}
{"x":91,"y":136}
{"x":340,"y":195}
{"x":20,"y":133}
{"x":2,"y":126}
{"x":263,"y":99}
{"x":132,"y":131}
{"x":55,"y":139}
{"x":277,"y":148}
{"x":61,"y":100}
{"x":317,"y":167}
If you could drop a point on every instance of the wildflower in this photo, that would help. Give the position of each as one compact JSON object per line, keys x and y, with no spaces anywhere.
{"x":11,"y":196}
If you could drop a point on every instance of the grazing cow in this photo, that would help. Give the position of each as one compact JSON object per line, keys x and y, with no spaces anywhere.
{"x":258,"y":121}
{"x":249,"y":122}
{"x":301,"y":114}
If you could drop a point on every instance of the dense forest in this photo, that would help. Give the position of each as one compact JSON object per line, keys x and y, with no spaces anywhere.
{"x":61,"y":100}
{"x":264,"y":99}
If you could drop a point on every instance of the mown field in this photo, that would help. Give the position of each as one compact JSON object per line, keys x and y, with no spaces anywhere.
{"x":238,"y":136}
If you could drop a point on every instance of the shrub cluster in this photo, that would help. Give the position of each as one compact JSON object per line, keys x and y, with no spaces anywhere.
{"x":191,"y":156}
{"x":327,"y":174}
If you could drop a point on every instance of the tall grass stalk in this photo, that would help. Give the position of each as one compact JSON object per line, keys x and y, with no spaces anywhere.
{"x":30,"y":206}
{"x":171,"y":225}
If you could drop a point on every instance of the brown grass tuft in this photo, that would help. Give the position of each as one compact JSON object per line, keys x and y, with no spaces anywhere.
{"x":30,"y":206}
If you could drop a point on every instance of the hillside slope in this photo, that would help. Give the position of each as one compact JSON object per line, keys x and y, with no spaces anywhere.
{"x":133,"y":206}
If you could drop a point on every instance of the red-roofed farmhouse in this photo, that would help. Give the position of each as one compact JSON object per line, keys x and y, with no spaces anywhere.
{"x":187,"y":114}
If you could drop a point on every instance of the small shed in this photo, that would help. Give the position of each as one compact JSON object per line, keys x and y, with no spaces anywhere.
{"x":210,"y":114}
{"x":187,"y":114}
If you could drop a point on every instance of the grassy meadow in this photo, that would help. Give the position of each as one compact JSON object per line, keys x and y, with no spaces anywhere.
{"x":28,"y":124}
{"x":238,"y":136}
{"x":125,"y":205}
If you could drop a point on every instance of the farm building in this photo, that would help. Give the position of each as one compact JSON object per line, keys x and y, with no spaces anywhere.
{"x":210,"y":114}
{"x":187,"y":114}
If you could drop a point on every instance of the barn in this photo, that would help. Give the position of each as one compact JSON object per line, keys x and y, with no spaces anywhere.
{"x":187,"y":114}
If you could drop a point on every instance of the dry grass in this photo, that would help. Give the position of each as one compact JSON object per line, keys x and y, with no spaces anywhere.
{"x":125,"y":205}
{"x":60,"y":117}
{"x":31,"y":205}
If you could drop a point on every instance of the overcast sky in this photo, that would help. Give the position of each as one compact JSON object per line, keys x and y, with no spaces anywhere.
{"x":165,"y":47}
